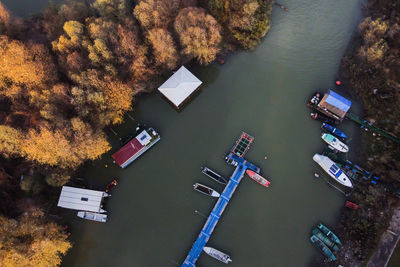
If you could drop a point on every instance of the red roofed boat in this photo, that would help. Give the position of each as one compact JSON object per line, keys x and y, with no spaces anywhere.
{"x":258,"y":178}
{"x":136,"y":147}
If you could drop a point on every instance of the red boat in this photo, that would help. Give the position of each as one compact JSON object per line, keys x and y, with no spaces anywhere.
{"x":351,"y":205}
{"x":258,"y":178}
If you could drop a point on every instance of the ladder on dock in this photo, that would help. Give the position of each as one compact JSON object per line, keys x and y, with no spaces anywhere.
{"x":371,"y":127}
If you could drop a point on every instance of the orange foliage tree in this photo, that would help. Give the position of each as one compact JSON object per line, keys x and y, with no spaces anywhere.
{"x":199,"y":34}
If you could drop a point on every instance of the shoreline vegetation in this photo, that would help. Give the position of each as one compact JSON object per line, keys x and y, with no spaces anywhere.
{"x":76,"y":68}
{"x":372,"y":71}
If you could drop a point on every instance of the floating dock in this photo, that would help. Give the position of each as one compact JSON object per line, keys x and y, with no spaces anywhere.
{"x":216,"y":213}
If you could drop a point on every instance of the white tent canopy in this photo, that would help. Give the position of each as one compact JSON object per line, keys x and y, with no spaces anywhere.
{"x":81,"y":199}
{"x":179,"y":86}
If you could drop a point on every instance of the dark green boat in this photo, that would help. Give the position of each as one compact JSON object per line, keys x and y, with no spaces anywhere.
{"x":329,"y":234}
{"x":332,"y":245}
{"x":324,"y":248}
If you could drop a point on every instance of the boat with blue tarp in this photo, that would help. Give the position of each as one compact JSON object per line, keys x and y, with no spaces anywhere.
{"x":333,"y":130}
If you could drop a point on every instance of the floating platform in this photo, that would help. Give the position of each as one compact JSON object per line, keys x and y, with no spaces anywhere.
{"x":242,"y":144}
{"x":241,"y":165}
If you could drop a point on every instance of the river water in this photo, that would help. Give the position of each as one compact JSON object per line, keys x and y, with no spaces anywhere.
{"x":263,"y":92}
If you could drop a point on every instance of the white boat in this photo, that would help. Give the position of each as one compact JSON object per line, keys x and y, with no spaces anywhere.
{"x":335,"y":143}
{"x":216,"y":254}
{"x":332,"y":169}
{"x":93,"y":216}
{"x":205,"y":190}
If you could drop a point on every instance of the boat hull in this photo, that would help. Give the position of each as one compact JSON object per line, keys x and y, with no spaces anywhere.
{"x":322,"y":247}
{"x":92,"y":216}
{"x":258,"y":178}
{"x":333,"y":130}
{"x":213,"y":175}
{"x":218,"y":255}
{"x":329,"y":234}
{"x":205,"y":190}
{"x":332,"y":169}
{"x":335,"y":143}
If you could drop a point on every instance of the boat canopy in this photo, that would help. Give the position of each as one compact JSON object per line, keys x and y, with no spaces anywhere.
{"x":334,"y":103}
{"x":81,"y":199}
{"x":330,"y":138}
{"x":179,"y":86}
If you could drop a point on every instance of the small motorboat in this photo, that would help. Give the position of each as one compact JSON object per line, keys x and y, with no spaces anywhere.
{"x":333,"y":130}
{"x":329,"y":234}
{"x":258,"y":178}
{"x":351,"y":205}
{"x":216,"y":254}
{"x":334,"y":143}
{"x":322,"y":118}
{"x":333,"y":170}
{"x":332,"y":245}
{"x":93,"y":216}
{"x":322,"y":247}
{"x":213,"y":175}
{"x":205,"y":190}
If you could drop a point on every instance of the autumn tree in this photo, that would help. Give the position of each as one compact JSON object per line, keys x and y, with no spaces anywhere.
{"x":199,"y":34}
{"x":246,"y":21}
{"x":10,"y":141}
{"x":31,"y":241}
{"x":164,"y":48}
{"x":156,"y":13}
{"x":24,"y":65}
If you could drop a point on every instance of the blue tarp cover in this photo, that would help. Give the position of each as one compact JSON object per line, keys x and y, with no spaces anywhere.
{"x":338,"y":101}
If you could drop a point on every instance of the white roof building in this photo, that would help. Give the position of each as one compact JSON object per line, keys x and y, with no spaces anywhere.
{"x":179,"y":86}
{"x":81,"y":199}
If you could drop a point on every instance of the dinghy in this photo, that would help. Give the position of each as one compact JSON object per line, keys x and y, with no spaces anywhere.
{"x":216,"y":254}
{"x":205,"y":190}
{"x":93,"y":216}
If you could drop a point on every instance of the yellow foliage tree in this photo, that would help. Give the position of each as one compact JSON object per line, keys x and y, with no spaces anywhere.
{"x":156,"y":13}
{"x":30,"y":241}
{"x":10,"y":141}
{"x":50,"y":147}
{"x":199,"y":34}
{"x":21,"y":64}
{"x":164,"y":48}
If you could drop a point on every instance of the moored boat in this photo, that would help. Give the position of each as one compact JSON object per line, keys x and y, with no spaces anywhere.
{"x":205,"y":190}
{"x":93,"y":216}
{"x":216,"y":254}
{"x":333,"y":130}
{"x":332,"y":245}
{"x":213,"y":175}
{"x":329,"y":234}
{"x":136,"y":147}
{"x":351,"y":205}
{"x":258,"y":178}
{"x":332,"y":169}
{"x":242,"y":145}
{"x":335,"y":143}
{"x":322,"y":118}
{"x":322,"y":247}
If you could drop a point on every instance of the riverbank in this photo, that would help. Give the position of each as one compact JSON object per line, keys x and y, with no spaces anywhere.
{"x":371,"y":70}
{"x":74,"y":70}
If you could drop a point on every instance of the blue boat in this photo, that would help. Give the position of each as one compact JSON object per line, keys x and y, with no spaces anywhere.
{"x":333,"y":130}
{"x":322,"y":247}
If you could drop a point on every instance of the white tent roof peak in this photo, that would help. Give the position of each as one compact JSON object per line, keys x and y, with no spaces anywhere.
{"x":180,"y":86}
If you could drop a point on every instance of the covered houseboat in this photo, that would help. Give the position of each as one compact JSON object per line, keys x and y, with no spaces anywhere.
{"x":136,"y":147}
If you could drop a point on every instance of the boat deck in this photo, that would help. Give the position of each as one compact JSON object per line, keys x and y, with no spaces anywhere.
{"x":243,"y":144}
{"x":219,"y":208}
